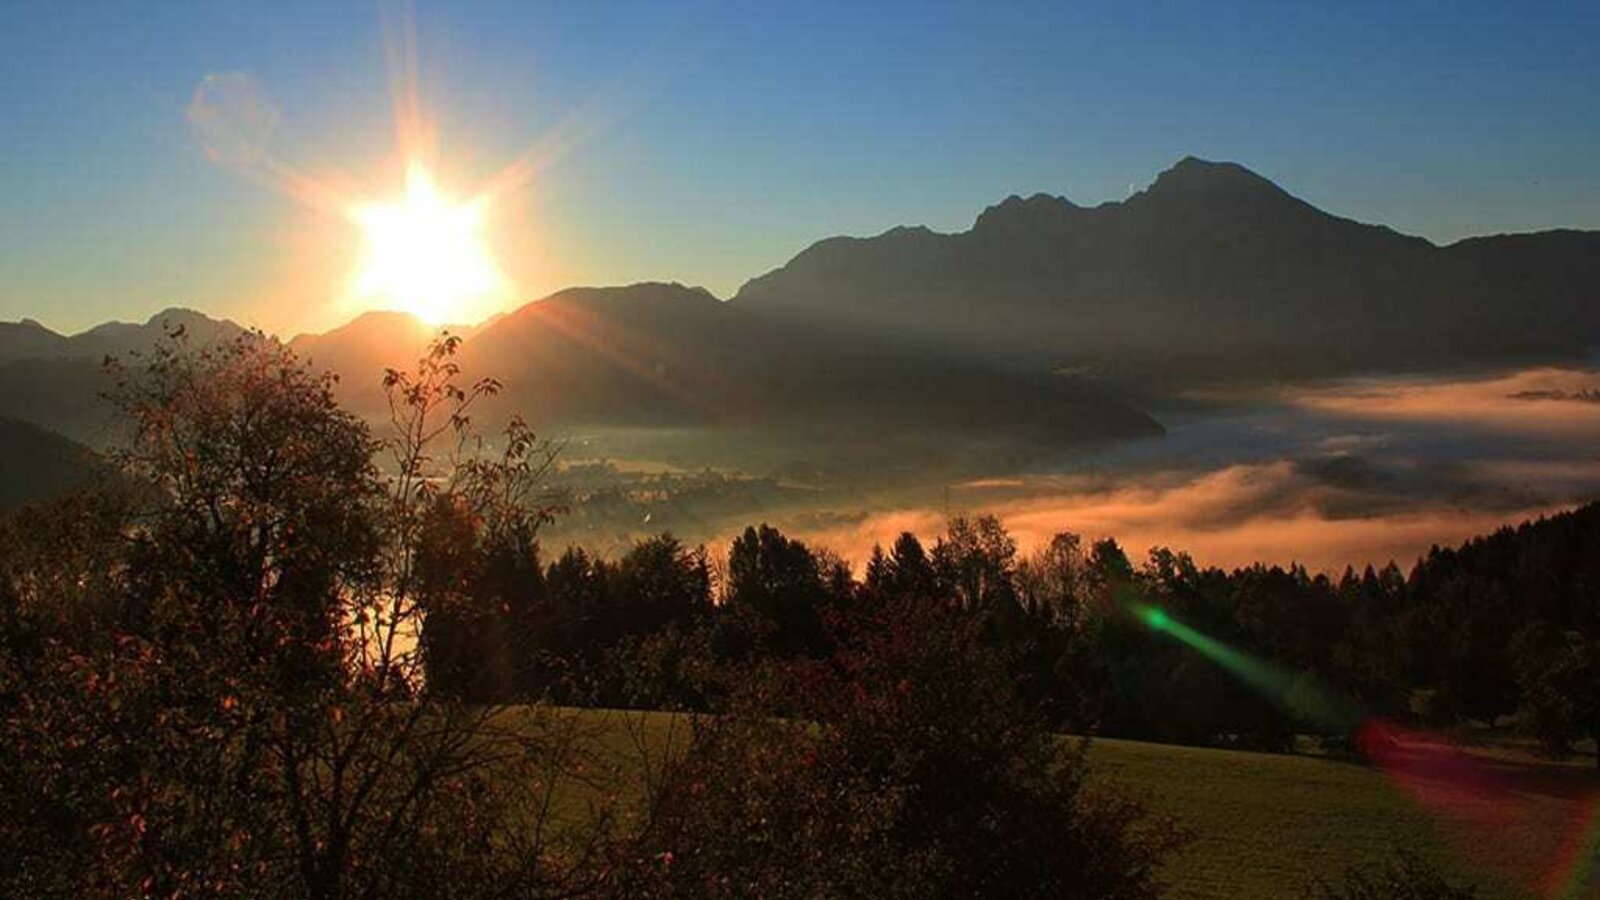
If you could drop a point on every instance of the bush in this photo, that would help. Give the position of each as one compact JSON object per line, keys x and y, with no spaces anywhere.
{"x":1406,"y":877}
{"x":915,"y":772}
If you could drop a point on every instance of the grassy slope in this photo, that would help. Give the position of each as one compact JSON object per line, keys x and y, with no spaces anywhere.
{"x":36,"y":464}
{"x":1265,"y":825}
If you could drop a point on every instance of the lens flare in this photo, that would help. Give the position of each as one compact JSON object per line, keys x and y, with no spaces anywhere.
{"x":1298,"y":694}
{"x":1577,"y":870}
{"x":1440,"y":778}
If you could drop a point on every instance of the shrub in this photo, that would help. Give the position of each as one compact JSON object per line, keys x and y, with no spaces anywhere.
{"x":915,"y":772}
{"x":1406,"y":877}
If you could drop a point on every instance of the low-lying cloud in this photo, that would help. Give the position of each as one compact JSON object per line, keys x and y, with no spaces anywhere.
{"x":1235,"y":516}
{"x":1547,"y":402}
{"x":1338,"y":474}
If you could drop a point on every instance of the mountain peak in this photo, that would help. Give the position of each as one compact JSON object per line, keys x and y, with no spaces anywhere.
{"x":1017,"y":211}
{"x":644,"y":292}
{"x":1202,"y":178}
{"x":181,"y":314}
{"x":385,"y":317}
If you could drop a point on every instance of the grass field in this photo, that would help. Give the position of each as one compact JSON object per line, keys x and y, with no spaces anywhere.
{"x":1265,"y":825}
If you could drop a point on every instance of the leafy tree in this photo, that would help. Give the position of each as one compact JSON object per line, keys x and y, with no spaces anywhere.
{"x":1559,"y":674}
{"x":253,"y":717}
{"x":780,"y":579}
{"x":1054,"y":583}
{"x":905,"y":572}
{"x":660,"y":582}
{"x":975,"y":563}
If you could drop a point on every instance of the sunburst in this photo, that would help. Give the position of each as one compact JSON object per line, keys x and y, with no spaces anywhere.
{"x":426,"y":254}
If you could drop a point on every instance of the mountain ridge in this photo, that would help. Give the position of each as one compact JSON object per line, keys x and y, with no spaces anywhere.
{"x":1212,"y":272}
{"x":28,"y":339}
{"x":1210,"y":266}
{"x":1189,"y":180}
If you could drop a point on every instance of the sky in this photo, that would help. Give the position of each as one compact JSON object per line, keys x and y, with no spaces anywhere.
{"x":709,"y":142}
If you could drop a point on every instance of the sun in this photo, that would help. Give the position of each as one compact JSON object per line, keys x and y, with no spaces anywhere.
{"x":426,"y":254}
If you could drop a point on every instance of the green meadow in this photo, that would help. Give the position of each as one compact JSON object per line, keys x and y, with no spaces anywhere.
{"x":1263,"y":824}
{"x":1266,"y":826}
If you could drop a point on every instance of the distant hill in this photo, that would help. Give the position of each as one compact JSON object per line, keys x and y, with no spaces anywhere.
{"x":30,"y":340}
{"x":39,"y":464}
{"x":1211,"y":271}
{"x":659,"y":356}
{"x":361,"y":349}
{"x":58,"y":381}
{"x":64,"y":395}
{"x":664,"y":355}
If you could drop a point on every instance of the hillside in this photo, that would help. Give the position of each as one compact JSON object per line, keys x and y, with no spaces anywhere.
{"x":28,"y":339}
{"x":38,"y":464}
{"x":63,"y":395}
{"x":658,"y":355}
{"x":1211,"y":271}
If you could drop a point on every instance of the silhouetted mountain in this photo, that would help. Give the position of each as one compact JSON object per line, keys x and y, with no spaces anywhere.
{"x":30,"y":340}
{"x":361,"y":349}
{"x":649,"y":355}
{"x":1212,"y":270}
{"x":39,"y":464}
{"x":664,"y":354}
{"x":121,"y":338}
{"x":64,"y":395}
{"x":57,"y":381}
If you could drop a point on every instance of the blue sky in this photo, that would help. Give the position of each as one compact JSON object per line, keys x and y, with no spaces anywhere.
{"x":728,"y":136}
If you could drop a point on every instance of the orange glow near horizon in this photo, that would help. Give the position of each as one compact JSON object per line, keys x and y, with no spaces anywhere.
{"x":427,"y":256}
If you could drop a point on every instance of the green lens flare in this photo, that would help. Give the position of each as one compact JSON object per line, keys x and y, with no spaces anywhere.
{"x":1297,"y":693}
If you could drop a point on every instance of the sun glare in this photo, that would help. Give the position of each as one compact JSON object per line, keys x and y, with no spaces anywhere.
{"x":426,"y":254}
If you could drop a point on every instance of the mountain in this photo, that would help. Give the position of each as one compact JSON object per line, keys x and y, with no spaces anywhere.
{"x":1212,"y":271}
{"x":668,"y":355}
{"x":57,"y":381}
{"x":122,"y":338}
{"x":645,"y":356}
{"x":39,"y":464}
{"x":64,"y":395}
{"x":28,"y":340}
{"x":363,"y":348}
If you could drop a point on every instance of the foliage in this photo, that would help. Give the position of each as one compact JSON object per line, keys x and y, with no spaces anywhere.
{"x":1407,"y":877}
{"x":780,"y":580}
{"x":916,"y":771}
{"x":1559,"y":675}
{"x":215,"y":686}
